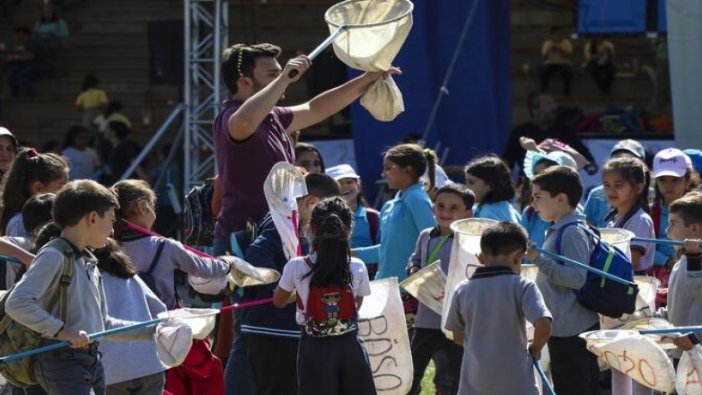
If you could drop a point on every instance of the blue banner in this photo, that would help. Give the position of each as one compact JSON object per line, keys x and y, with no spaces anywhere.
{"x":475,"y":118}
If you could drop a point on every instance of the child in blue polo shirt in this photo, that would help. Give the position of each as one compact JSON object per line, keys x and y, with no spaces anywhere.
{"x":402,"y":218}
{"x":489,"y":179}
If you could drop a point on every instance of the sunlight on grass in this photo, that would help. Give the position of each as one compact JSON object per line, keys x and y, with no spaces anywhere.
{"x":428,"y":380}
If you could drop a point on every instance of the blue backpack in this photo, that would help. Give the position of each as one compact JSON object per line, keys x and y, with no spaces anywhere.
{"x":600,"y":295}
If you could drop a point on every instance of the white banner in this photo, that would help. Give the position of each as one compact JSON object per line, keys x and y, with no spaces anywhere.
{"x":382,"y":327}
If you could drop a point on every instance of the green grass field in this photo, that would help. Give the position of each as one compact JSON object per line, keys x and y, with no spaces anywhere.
{"x":428,"y":380}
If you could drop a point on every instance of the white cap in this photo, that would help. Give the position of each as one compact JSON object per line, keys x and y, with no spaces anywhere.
{"x":671,"y":162}
{"x":342,"y":171}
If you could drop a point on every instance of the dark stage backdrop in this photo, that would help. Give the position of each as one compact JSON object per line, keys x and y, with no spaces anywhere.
{"x":475,"y":117}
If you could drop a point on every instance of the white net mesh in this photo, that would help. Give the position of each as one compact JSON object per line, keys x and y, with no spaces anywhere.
{"x":375,"y":32}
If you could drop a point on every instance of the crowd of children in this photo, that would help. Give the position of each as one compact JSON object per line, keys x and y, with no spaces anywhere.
{"x":82,"y":267}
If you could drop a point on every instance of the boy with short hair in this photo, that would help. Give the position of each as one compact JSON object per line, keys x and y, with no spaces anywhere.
{"x":487,"y":317}
{"x":685,"y":285}
{"x":452,"y":202}
{"x":84,"y":210}
{"x":555,"y":196}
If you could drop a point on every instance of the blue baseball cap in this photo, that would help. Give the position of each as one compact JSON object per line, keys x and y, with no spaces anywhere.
{"x":696,"y":158}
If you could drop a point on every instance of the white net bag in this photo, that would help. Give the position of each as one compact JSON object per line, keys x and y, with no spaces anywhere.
{"x":374,"y":33}
{"x":464,"y":258}
{"x":282,"y":187}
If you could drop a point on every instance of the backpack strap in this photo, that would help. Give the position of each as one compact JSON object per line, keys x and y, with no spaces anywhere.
{"x":65,"y":278}
{"x":154,"y":262}
{"x":373,"y":225}
{"x":299,"y":302}
{"x":588,"y":229}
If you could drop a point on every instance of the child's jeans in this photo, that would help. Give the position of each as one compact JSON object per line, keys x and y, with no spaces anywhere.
{"x":71,"y":371}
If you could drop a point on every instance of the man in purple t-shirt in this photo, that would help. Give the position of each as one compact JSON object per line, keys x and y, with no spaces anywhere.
{"x":251,"y":133}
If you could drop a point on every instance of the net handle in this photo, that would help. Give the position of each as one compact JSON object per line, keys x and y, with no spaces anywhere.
{"x":321,"y":47}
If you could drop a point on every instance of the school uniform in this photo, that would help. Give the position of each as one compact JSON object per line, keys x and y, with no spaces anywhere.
{"x":534,"y":225}
{"x":15,"y":226}
{"x":427,"y":338}
{"x":597,"y":207}
{"x":574,"y":368}
{"x":401,"y":221}
{"x":490,"y":309}
{"x":685,"y":293}
{"x":659,"y":215}
{"x":131,"y":299}
{"x":67,"y":371}
{"x":142,"y":249}
{"x":365,"y":234}
{"x":269,"y":336}
{"x":499,"y":211}
{"x":640,"y":223}
{"x":334,"y":364}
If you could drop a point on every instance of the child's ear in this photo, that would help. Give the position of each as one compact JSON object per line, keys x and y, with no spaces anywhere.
{"x":639,"y":188}
{"x":92,"y":217}
{"x":482,"y":258}
{"x":696,"y":229}
{"x":36,"y":188}
{"x":311,"y":201}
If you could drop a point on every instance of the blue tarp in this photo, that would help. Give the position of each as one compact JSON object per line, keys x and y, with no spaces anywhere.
{"x":476,"y":116}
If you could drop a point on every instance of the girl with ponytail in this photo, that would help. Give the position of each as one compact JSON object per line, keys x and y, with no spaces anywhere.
{"x":31,"y":173}
{"x":330,"y":286}
{"x":405,"y":216}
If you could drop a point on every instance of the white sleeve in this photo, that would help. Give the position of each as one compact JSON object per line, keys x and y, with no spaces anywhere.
{"x":287,"y":279}
{"x":360,"y":279}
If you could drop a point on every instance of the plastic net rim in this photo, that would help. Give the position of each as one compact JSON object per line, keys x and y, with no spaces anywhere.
{"x":327,"y":16}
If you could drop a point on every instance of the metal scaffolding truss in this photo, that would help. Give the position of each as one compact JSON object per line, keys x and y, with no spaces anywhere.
{"x":206,"y":36}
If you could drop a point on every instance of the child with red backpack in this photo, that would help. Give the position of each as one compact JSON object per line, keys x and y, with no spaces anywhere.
{"x":329,"y":286}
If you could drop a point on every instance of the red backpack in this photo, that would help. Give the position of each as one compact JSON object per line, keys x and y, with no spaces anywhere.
{"x":330,"y":310}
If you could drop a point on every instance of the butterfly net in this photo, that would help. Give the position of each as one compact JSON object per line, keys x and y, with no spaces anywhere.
{"x":375,"y":32}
